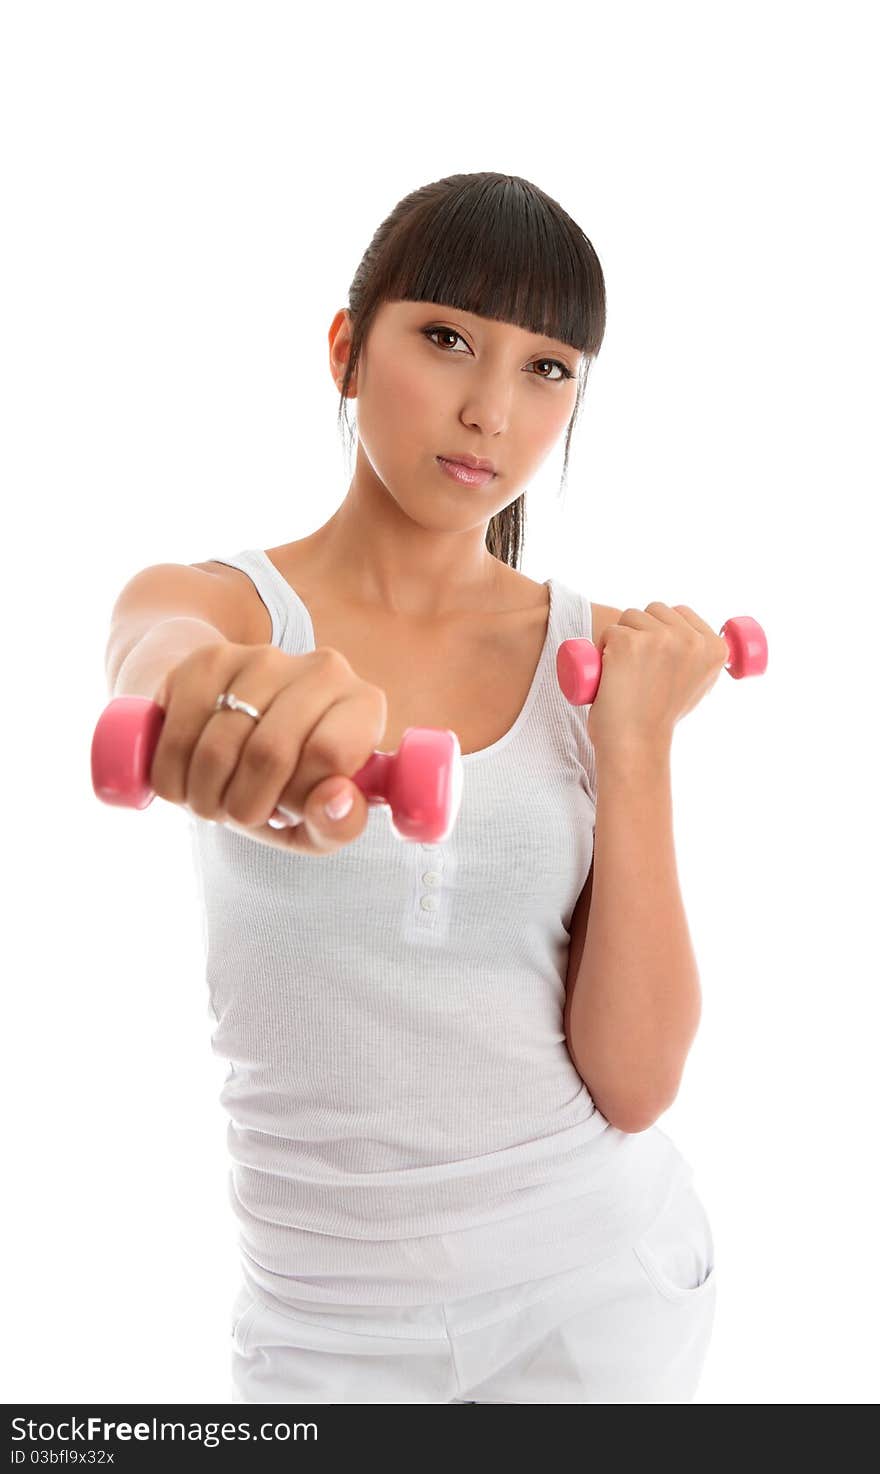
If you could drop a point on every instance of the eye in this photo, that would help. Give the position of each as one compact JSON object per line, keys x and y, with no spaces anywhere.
{"x":565,"y":373}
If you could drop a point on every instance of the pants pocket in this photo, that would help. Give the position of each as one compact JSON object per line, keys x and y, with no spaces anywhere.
{"x":677,"y":1252}
{"x":245,"y":1309}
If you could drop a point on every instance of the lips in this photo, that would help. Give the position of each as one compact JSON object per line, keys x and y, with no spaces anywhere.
{"x":464,"y":475}
{"x":475,"y":463}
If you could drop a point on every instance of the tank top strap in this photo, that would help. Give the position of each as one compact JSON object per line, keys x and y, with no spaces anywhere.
{"x":291,"y":625}
{"x":572,"y":619}
{"x":572,"y":614}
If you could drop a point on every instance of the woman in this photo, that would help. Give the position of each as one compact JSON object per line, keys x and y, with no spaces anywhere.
{"x":446,"y":1172}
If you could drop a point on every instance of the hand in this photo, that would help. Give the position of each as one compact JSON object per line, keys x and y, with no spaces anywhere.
{"x":656,"y":665}
{"x":320,"y":724}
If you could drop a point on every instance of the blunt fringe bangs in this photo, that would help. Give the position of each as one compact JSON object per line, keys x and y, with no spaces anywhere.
{"x":498,"y":246}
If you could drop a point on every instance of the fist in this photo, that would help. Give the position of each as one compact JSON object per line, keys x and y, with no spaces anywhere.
{"x":657,"y":663}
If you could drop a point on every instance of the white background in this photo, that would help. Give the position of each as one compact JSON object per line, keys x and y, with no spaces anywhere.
{"x":187,"y":191}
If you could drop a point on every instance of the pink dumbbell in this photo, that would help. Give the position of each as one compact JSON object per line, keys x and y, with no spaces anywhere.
{"x":421,"y":782}
{"x":579,"y":664}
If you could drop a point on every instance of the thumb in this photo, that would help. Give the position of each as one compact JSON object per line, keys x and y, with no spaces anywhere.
{"x":348,"y":822}
{"x":336,"y":799}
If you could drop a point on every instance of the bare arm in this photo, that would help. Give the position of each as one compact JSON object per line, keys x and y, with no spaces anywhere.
{"x":146,"y":665}
{"x":633,"y":1007}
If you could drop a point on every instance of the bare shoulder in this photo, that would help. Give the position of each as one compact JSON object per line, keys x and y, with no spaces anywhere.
{"x":251,"y":614}
{"x":602,"y":614}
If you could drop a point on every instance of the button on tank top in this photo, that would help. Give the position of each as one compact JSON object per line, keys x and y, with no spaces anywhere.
{"x":406,"y":1124}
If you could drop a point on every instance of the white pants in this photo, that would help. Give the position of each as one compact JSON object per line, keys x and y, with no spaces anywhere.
{"x":634,"y":1328}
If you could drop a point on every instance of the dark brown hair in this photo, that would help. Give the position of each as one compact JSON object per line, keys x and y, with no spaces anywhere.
{"x":497,"y":246}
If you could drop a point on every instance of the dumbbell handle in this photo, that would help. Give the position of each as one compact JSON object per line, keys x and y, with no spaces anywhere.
{"x":579,"y":663}
{"x":421,"y":782}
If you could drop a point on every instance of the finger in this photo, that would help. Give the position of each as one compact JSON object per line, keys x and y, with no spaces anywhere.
{"x":340,"y":741}
{"x":666,"y":615}
{"x":637,"y":619}
{"x":317,"y":833}
{"x":189,"y":693}
{"x":225,"y":733}
{"x":285,"y":755}
{"x":325,"y":833}
{"x":310,"y":836}
{"x":717,"y":642}
{"x":695,"y":621}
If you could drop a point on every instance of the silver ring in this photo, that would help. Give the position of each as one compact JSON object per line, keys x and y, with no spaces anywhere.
{"x":227,"y":701}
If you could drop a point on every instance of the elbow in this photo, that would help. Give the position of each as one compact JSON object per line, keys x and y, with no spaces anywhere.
{"x":622,"y":1106}
{"x":636,"y":1116}
{"x":634,"y":1113}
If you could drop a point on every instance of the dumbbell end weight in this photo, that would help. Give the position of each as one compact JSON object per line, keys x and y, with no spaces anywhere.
{"x":578,"y":667}
{"x":422,"y":782}
{"x":122,"y":751}
{"x":748,"y":647}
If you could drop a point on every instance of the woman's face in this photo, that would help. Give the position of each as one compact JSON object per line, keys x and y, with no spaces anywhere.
{"x":436,"y":381}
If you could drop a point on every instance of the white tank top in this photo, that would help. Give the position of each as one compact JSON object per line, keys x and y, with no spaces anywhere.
{"x":405,"y":1122}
